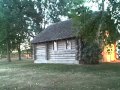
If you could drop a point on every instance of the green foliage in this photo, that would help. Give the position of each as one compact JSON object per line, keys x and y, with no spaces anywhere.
{"x":53,"y":10}
{"x":114,"y":9}
{"x":88,"y":26}
{"x":91,"y":53}
{"x":23,"y":19}
{"x":92,"y":26}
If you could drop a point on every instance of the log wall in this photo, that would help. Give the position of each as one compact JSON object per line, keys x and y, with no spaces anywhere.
{"x":48,"y":53}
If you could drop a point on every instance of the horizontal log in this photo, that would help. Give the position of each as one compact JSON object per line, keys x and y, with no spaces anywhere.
{"x":41,"y":48}
{"x":71,"y":54}
{"x":40,"y":58}
{"x":62,"y":52}
{"x":40,"y":52}
{"x":61,"y":58}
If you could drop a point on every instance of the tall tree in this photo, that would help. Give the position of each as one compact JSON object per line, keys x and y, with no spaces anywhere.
{"x":14,"y":25}
{"x":5,"y":29}
{"x":97,"y":26}
{"x":94,"y":25}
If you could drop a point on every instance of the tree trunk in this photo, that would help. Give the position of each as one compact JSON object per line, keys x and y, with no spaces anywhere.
{"x":8,"y":52}
{"x":79,"y":49}
{"x":1,"y":54}
{"x":34,"y":52}
{"x":101,"y":22}
{"x":19,"y":52}
{"x":27,"y":53}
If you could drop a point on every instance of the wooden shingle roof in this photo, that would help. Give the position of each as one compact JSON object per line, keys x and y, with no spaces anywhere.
{"x":57,"y":31}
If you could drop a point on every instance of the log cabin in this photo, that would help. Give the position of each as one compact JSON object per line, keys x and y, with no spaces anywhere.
{"x":57,"y":44}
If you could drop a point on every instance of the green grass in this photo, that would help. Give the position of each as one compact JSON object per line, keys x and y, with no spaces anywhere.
{"x":24,"y":75}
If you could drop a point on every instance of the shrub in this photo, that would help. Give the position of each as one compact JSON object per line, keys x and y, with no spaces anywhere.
{"x":91,"y":53}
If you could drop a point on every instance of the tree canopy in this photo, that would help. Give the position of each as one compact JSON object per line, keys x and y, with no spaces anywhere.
{"x":96,"y":29}
{"x":23,"y":19}
{"x":94,"y":24}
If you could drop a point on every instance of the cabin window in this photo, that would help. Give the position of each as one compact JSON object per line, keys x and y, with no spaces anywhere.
{"x":68,"y":44}
{"x":55,"y":45}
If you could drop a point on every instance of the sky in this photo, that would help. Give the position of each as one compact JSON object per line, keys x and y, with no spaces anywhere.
{"x":95,"y":6}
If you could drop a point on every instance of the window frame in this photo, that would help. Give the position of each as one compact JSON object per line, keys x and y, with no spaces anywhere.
{"x":55,"y":45}
{"x":68,"y":44}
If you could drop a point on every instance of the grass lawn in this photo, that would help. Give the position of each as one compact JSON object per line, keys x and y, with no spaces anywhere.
{"x":24,"y":75}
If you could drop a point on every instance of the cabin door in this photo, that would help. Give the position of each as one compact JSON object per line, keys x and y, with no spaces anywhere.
{"x":41,"y":52}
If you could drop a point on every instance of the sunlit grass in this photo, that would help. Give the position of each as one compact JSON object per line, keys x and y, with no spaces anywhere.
{"x":24,"y":75}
